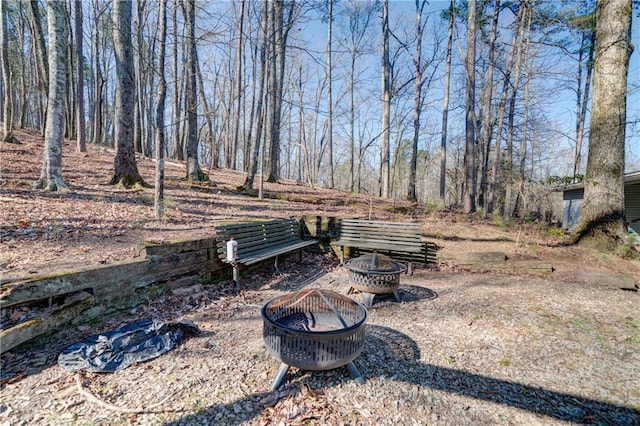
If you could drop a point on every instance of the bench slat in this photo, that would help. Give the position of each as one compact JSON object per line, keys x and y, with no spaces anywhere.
{"x":258,"y":241}
{"x":399,"y":239}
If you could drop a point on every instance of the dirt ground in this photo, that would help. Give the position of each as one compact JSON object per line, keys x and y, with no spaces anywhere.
{"x":462,"y":347}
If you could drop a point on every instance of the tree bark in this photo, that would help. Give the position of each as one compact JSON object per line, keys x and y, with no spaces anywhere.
{"x":445,"y":105}
{"x":125,"y":168}
{"x":98,"y":84}
{"x":417,"y":108}
{"x":469,"y":168}
{"x":239,"y":92}
{"x":255,"y":149}
{"x":81,"y":144}
{"x":7,"y":113}
{"x":509,"y":169}
{"x":158,"y":204}
{"x":194,"y":173}
{"x":386,"y":105}
{"x":602,"y":218}
{"x":582,"y":100}
{"x":51,"y":174}
{"x":177,"y":110}
{"x":487,"y":122}
{"x":330,"y":93}
{"x":493,"y":181}
{"x":41,"y":55}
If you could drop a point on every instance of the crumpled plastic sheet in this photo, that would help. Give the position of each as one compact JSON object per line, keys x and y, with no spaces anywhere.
{"x":118,"y":349}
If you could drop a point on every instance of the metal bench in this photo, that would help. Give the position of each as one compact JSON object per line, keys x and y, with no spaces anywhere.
{"x":258,"y":241}
{"x":399,"y":240}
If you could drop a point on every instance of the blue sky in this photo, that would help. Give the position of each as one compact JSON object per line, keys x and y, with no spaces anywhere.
{"x":561,"y":110}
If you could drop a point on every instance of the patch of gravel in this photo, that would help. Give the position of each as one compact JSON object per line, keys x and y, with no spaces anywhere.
{"x":461,"y":348}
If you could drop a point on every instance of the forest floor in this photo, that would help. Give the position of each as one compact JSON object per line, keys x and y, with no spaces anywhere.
{"x":464,"y":346}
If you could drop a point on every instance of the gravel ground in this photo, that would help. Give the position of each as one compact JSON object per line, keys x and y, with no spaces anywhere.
{"x":461,"y":348}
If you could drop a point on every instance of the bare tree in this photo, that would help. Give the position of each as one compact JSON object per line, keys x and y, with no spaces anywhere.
{"x":515,"y":86}
{"x":259,"y":115}
{"x":469,"y":200}
{"x":51,"y":173}
{"x":99,"y":82}
{"x":493,"y":181}
{"x":158,"y":203}
{"x":602,"y":222}
{"x":445,"y":104}
{"x":385,"y":151}
{"x":487,"y":118}
{"x":81,"y":145}
{"x":411,"y":193}
{"x":7,"y":112}
{"x":194,"y":173}
{"x":586,"y":25}
{"x":239,"y":76}
{"x":125,"y":168}
{"x":330,"y":93}
{"x":359,"y":15}
{"x":41,"y":56}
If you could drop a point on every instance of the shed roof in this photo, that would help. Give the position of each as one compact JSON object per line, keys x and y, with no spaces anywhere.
{"x":630,"y":177}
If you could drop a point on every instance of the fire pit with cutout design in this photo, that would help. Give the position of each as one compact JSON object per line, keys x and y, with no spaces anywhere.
{"x":374,"y":274}
{"x":314,"y":329}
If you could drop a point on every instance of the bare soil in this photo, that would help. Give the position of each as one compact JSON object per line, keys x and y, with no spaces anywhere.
{"x":462,"y":347}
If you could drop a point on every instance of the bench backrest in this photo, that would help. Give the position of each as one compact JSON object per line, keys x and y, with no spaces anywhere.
{"x":400,"y":232}
{"x":256,"y":236}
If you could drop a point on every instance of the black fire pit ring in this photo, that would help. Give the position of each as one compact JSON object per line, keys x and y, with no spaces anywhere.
{"x":314,"y":329}
{"x":374,"y":274}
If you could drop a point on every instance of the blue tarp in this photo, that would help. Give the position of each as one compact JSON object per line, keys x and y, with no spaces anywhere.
{"x":118,"y":349}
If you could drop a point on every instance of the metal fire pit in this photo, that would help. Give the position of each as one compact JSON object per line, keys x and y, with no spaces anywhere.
{"x":314,"y":329}
{"x":374,"y":274}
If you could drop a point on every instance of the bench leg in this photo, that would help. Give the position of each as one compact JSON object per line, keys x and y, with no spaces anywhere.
{"x":236,"y":276}
{"x":275,"y":265}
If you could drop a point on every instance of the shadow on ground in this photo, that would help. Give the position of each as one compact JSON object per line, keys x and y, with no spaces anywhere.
{"x":384,"y":344}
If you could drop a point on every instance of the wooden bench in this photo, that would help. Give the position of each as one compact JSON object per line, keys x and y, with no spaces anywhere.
{"x":399,"y":240}
{"x":258,"y":241}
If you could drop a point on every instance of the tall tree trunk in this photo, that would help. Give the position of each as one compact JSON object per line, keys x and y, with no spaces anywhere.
{"x":330,"y":93}
{"x":493,"y":181}
{"x":487,"y":121}
{"x":582,"y":101}
{"x":98,"y":83}
{"x":469,"y":201}
{"x":281,"y":30}
{"x":125,"y":168}
{"x":413,"y":162}
{"x":177,"y":110}
{"x":41,"y":54}
{"x":81,"y":144}
{"x":385,"y":150}
{"x":193,"y":165}
{"x":602,"y":219}
{"x":239,"y":94}
{"x":137,"y":120}
{"x":158,"y":204}
{"x":205,"y":105}
{"x":445,"y":105}
{"x":51,"y":173}
{"x":255,"y":152}
{"x":70,"y":100}
{"x":509,"y":169}
{"x":7,"y":113}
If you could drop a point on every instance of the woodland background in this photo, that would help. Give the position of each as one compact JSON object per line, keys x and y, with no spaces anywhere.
{"x":374,"y":97}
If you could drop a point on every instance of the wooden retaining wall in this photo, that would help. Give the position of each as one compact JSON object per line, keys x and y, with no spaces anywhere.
{"x":78,"y":296}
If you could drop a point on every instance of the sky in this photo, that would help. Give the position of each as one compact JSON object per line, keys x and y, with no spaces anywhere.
{"x":563,"y":110}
